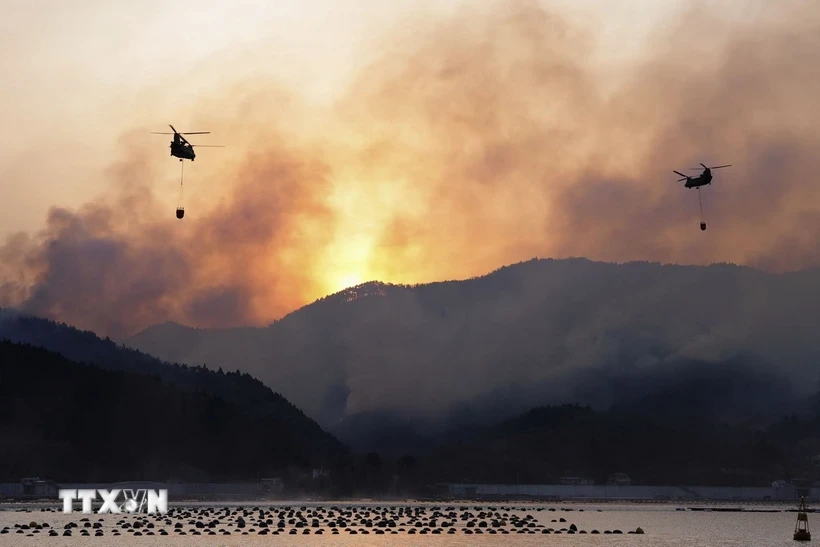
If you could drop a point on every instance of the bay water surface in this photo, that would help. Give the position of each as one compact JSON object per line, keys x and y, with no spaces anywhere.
{"x":664,"y":524}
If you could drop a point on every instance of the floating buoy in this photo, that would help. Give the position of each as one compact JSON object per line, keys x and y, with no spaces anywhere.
{"x":703,"y":226}
{"x":801,"y":529}
{"x":180,"y":212}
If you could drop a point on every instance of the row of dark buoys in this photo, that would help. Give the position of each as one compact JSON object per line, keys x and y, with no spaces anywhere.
{"x":352,"y":520}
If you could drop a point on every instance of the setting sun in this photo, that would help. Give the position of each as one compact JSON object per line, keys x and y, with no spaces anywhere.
{"x":347,"y":260}
{"x":348,"y":280}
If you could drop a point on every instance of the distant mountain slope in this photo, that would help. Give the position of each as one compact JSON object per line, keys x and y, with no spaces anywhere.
{"x":546,"y":443}
{"x":682,"y":394}
{"x":73,"y":422}
{"x":543,"y":331}
{"x":240,"y":389}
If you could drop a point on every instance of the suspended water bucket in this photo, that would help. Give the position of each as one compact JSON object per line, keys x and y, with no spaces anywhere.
{"x":702,"y":226}
{"x":180,"y":212}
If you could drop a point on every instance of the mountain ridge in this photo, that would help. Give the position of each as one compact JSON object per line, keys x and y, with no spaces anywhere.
{"x":546,"y":443}
{"x":239,"y":388}
{"x":65,"y":419}
{"x":372,"y":287}
{"x":532,"y":333}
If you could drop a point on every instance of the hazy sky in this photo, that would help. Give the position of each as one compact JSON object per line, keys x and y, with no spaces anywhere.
{"x":78,"y":74}
{"x":404,"y":141}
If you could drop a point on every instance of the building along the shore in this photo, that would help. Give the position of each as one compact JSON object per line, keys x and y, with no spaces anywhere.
{"x":778,"y":491}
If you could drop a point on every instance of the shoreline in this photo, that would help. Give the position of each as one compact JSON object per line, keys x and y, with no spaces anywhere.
{"x":553,"y":504}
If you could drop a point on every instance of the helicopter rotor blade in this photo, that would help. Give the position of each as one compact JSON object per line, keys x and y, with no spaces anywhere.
{"x":175,"y":132}
{"x":679,"y":173}
{"x":704,"y":166}
{"x":721,"y":166}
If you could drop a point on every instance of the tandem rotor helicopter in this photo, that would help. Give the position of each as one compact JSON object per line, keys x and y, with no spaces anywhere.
{"x":181,"y":148}
{"x":704,"y":179}
{"x":184,"y":150}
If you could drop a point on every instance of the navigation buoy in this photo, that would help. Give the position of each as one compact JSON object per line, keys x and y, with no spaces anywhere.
{"x":801,"y":529}
{"x":180,"y":212}
{"x":703,"y":226}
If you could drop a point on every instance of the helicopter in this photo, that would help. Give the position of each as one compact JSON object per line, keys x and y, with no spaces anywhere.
{"x":701,"y":180}
{"x":181,"y":148}
{"x":184,"y":150}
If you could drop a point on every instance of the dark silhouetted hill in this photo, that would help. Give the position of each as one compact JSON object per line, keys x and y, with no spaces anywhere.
{"x":238,"y":388}
{"x":548,"y":443}
{"x":74,"y":422}
{"x":443,"y":355}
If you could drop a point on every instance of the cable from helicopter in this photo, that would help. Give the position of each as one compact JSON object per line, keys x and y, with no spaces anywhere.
{"x":184,"y":150}
{"x":180,"y":208}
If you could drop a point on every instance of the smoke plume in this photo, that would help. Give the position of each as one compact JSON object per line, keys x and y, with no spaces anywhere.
{"x":485,"y":139}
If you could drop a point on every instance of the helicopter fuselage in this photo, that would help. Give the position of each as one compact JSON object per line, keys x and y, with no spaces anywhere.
{"x":702,"y":180}
{"x":182,"y":151}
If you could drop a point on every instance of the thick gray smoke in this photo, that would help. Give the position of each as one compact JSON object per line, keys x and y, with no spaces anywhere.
{"x":486,"y":139}
{"x":483,"y":140}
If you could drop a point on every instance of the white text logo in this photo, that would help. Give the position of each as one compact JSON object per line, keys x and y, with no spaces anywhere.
{"x":117,"y":501}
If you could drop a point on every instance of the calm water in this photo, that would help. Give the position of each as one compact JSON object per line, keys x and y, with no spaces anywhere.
{"x":663,"y":525}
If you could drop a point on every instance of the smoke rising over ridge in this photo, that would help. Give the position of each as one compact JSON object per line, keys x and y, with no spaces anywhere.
{"x":482,"y":139}
{"x":539,"y":332}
